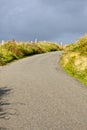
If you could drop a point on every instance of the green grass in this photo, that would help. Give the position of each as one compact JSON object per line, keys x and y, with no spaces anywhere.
{"x":74,"y":59}
{"x":11,"y":50}
{"x":79,"y":75}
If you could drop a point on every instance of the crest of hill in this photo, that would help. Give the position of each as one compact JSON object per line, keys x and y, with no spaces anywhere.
{"x":79,"y":46}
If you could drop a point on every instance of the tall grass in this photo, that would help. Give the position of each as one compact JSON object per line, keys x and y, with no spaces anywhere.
{"x":74,"y":59}
{"x":12,"y":50}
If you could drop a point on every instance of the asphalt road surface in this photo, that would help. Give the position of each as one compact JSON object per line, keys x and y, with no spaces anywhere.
{"x":36,"y":94}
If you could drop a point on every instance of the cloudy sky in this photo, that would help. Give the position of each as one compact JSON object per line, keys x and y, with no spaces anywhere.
{"x":50,"y":20}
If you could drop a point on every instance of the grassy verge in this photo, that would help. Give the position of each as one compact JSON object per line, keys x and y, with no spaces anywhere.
{"x":11,"y":50}
{"x":74,"y":59}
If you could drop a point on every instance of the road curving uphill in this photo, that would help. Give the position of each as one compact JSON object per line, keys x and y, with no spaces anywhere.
{"x":35,"y":94}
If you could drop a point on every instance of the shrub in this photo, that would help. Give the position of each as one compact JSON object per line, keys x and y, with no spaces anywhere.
{"x":13,"y":48}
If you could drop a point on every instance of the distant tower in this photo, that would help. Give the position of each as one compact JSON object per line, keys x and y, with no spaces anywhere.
{"x":36,"y":40}
{"x":61,"y":43}
{"x":3,"y":42}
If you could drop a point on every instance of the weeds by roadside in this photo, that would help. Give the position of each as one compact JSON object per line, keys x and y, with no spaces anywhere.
{"x":12,"y":50}
{"x":74,"y":59}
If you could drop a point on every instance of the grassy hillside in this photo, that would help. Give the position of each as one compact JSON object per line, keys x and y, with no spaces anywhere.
{"x":12,"y":50}
{"x":74,"y":59}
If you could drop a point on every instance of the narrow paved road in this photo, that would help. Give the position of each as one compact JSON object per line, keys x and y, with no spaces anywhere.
{"x":38,"y":95}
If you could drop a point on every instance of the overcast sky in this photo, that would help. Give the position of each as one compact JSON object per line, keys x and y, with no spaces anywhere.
{"x":50,"y":20}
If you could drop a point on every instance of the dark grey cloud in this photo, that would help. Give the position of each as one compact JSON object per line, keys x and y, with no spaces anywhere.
{"x":51,"y":20}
